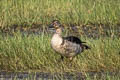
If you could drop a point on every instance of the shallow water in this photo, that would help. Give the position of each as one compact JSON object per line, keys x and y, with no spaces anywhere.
{"x":57,"y":76}
{"x":91,"y":31}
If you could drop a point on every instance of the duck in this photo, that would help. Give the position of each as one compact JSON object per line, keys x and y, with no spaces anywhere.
{"x":69,"y":46}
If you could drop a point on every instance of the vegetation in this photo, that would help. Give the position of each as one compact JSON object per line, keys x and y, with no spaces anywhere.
{"x":30,"y":12}
{"x":34,"y":53}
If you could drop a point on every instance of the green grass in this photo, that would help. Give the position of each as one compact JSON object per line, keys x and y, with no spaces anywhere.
{"x":30,"y":12}
{"x":34,"y":53}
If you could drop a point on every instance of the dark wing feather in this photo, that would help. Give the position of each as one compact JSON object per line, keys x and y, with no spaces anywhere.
{"x":73,"y":39}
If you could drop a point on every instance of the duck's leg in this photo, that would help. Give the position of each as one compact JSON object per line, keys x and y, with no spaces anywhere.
{"x":61,"y":58}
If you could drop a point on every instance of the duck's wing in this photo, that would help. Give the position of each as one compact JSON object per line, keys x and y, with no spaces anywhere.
{"x":69,"y":48}
{"x":73,"y":39}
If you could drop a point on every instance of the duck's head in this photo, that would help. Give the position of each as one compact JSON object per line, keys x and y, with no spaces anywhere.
{"x":55,"y":24}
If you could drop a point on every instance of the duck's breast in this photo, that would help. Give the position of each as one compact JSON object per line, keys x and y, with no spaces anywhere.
{"x":56,"y":41}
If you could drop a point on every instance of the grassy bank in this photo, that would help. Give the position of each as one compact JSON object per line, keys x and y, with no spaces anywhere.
{"x":34,"y":53}
{"x":68,"y":11}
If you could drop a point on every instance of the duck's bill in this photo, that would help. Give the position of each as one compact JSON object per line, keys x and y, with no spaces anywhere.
{"x":51,"y":26}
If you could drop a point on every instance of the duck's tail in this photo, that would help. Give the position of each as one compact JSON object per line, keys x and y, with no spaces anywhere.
{"x":86,"y":46}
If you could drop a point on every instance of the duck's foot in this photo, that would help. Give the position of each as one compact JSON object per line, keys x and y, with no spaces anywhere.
{"x":71,"y":59}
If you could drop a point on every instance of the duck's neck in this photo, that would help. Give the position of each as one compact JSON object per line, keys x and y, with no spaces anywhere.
{"x":57,"y":37}
{"x":59,"y":31}
{"x":58,"y":34}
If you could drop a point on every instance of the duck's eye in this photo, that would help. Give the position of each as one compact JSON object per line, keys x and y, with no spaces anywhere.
{"x":55,"y":24}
